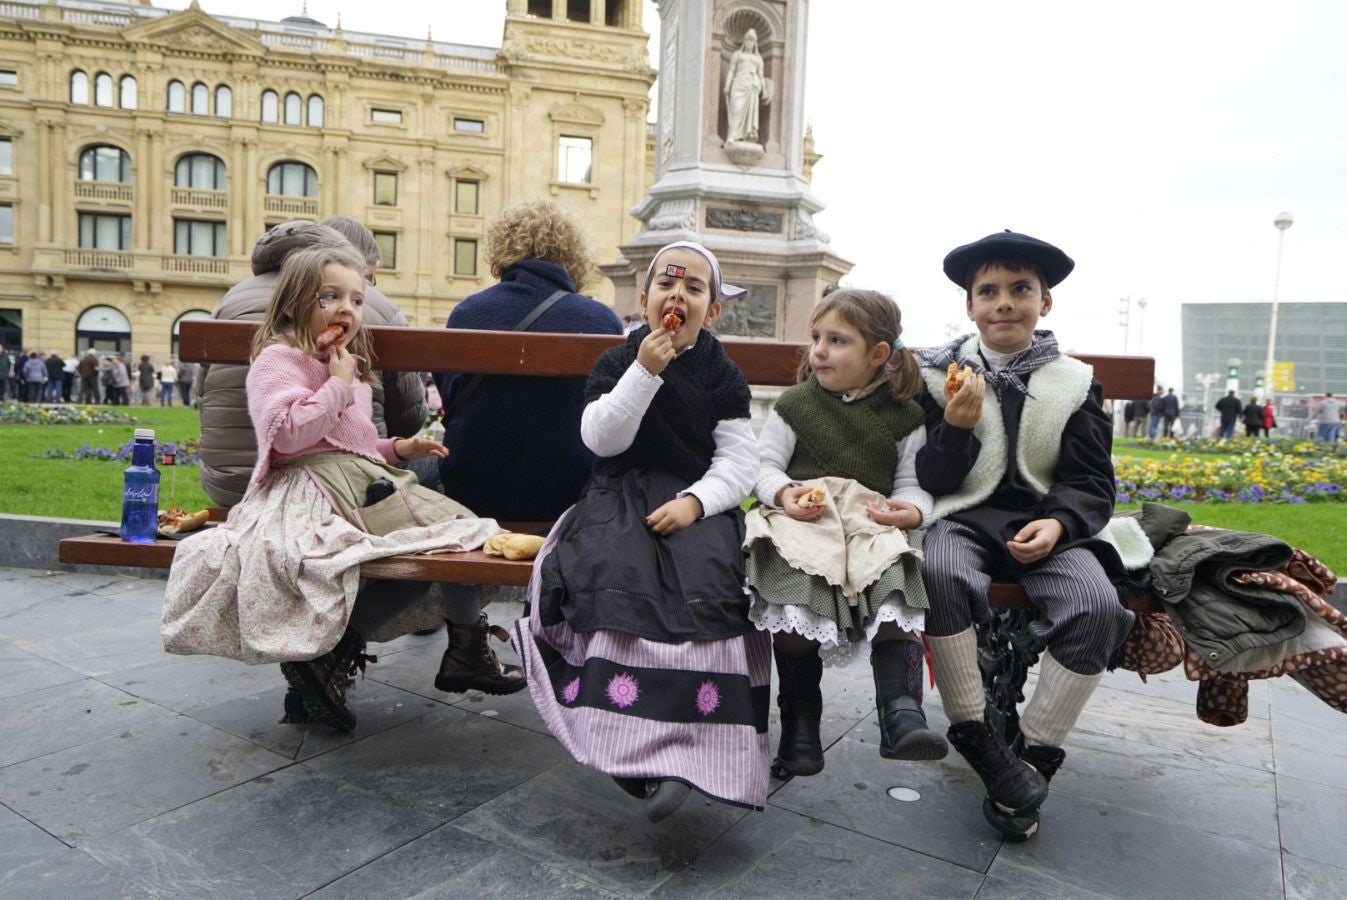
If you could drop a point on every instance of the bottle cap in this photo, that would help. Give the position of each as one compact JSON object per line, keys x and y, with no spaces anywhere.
{"x":144,"y":434}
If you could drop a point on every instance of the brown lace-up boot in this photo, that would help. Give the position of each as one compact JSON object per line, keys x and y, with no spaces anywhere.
{"x":469,"y":664}
{"x":322,"y":683}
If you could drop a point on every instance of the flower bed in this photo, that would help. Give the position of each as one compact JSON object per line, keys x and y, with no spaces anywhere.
{"x":1277,"y":474}
{"x":61,"y":414}
{"x":1247,"y":446}
{"x":185,"y":453}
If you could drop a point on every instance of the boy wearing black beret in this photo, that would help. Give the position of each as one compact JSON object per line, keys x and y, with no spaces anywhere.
{"x":1019,"y":460}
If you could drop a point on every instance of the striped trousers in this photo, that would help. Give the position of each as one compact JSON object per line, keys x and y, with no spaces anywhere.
{"x":1081,"y":618}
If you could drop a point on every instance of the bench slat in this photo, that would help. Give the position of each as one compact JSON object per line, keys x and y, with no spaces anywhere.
{"x":571,"y":355}
{"x":473,"y":567}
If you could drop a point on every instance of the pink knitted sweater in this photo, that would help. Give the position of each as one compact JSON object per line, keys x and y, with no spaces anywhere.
{"x":298,"y":407}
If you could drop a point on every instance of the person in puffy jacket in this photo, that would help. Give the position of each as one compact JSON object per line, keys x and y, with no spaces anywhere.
{"x":228,"y":444}
{"x":34,"y":376}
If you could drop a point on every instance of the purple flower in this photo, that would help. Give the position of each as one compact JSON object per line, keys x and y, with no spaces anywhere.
{"x":708,"y":698}
{"x":570,"y":691}
{"x":624,"y":690}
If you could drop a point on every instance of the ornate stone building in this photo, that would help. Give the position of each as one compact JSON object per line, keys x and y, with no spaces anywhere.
{"x":143,"y":151}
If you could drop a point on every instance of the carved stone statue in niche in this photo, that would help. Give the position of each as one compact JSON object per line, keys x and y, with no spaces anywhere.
{"x":753,"y":315}
{"x":746,"y":88}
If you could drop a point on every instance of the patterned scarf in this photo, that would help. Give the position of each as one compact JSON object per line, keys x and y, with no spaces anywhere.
{"x":1043,"y":349}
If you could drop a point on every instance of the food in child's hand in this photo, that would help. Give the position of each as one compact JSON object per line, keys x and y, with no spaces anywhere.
{"x":673,"y":321}
{"x":955,"y":376}
{"x":175,"y":521}
{"x":331,"y":334}
{"x":812,"y":498}
{"x":513,"y":545}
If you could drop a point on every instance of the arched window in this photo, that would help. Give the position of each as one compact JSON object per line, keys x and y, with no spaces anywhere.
{"x":200,"y":100}
{"x":104,"y":328}
{"x":104,"y":162}
{"x":128,"y":92}
{"x":103,"y":89}
{"x":177,"y":325}
{"x":177,"y":97}
{"x":200,"y":170}
{"x":224,"y":101}
{"x":292,"y":179}
{"x":270,"y":107}
{"x":315,"y":111}
{"x":79,"y":87}
{"x":294,"y":109}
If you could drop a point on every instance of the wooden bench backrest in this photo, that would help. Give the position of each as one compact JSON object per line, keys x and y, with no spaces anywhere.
{"x":570,"y":355}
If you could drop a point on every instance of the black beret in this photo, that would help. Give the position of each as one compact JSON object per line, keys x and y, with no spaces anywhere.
{"x":1008,"y":244}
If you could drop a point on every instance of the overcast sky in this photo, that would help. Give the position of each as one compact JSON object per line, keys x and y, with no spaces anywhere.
{"x":1153,"y":141}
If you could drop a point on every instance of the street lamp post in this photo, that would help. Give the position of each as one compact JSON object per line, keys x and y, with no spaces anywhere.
{"x":1283,"y":222}
{"x":1141,"y":326}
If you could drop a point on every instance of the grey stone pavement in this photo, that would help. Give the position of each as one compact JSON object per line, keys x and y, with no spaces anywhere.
{"x":125,"y":772}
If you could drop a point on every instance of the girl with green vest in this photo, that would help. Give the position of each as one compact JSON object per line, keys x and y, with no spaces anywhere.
{"x":836,"y":578}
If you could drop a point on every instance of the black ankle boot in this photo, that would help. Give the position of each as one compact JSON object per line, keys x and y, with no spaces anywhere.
{"x":322,"y":683}
{"x":800,"y":751}
{"x":1013,"y":786}
{"x":897,"y":667}
{"x":1019,"y":828}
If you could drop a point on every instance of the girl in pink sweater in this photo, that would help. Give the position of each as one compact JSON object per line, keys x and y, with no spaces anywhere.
{"x":279,"y":581}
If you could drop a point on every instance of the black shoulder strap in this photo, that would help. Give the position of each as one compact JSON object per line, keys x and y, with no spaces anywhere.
{"x":470,"y":387}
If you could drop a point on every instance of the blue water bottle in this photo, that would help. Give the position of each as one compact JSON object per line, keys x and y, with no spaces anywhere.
{"x":140,"y":493}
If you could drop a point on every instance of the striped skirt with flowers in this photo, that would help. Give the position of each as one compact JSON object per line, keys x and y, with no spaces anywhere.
{"x":632,"y":706}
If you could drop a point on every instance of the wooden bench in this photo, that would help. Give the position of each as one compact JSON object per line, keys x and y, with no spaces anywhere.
{"x":1008,"y":650}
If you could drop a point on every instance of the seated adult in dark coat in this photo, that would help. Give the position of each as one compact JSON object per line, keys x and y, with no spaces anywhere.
{"x":514,"y":445}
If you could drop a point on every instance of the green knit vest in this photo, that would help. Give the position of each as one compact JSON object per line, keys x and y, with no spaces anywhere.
{"x":857,"y":440}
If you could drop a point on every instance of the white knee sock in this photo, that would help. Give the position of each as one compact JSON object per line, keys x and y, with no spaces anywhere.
{"x":1056,"y":704}
{"x":954,"y":660}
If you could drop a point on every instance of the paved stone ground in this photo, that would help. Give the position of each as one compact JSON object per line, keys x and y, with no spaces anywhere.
{"x":125,"y":772}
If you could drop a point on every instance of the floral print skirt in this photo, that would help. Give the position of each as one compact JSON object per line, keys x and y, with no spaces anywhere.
{"x":278,"y":580}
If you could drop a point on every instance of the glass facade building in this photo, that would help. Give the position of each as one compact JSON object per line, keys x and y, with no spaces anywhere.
{"x":1313,"y":336}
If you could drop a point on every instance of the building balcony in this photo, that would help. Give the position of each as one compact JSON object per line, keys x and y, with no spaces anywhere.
{"x":201,"y":197}
{"x":291,"y":206}
{"x":104,"y":190}
{"x":197,"y":265}
{"x":90,"y":258}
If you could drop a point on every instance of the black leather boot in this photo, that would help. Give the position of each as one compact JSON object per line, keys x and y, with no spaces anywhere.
{"x":322,"y":683}
{"x":1019,"y":828}
{"x":800,"y":751}
{"x":470,"y":664}
{"x":1013,"y":785}
{"x":897,"y":667}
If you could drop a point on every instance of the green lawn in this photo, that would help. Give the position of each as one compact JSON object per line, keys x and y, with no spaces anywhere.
{"x":91,"y":489}
{"x":1317,"y":528}
{"x":1145,"y":450}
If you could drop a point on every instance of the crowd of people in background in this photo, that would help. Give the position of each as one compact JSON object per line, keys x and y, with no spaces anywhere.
{"x":1156,"y":417}
{"x":92,"y":378}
